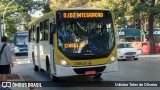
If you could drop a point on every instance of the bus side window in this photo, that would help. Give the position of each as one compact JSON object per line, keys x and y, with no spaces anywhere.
{"x":29,"y":36}
{"x":46,"y":35}
{"x":41,"y":36}
{"x":32,"y":36}
{"x":37,"y":39}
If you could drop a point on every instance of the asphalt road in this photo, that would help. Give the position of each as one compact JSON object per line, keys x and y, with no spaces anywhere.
{"x":145,"y":69}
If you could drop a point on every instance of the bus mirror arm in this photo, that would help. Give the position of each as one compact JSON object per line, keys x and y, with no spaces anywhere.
{"x":53,"y":28}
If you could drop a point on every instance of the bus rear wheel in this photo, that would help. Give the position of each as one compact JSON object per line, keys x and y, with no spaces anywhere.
{"x":36,"y":68}
{"x":98,"y":75}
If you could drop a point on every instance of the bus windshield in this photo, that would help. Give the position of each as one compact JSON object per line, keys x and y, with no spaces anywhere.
{"x":123,"y":45}
{"x":21,"y":40}
{"x":86,"y":37}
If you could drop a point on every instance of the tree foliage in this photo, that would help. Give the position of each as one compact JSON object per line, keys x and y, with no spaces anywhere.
{"x":16,"y":13}
{"x":120,"y":8}
{"x":125,"y":11}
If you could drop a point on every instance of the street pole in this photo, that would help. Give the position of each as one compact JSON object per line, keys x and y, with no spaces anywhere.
{"x":140,"y":27}
{"x":4,"y":12}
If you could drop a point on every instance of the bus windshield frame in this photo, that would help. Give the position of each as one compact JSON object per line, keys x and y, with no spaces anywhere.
{"x":21,"y":38}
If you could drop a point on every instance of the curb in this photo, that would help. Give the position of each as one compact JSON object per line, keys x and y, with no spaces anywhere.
{"x":20,"y":76}
{"x":19,"y":88}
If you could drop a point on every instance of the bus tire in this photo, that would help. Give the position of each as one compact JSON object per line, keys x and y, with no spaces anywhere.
{"x":54,"y":78}
{"x":36,"y":68}
{"x":41,"y":70}
{"x":47,"y":64}
{"x":98,"y":75}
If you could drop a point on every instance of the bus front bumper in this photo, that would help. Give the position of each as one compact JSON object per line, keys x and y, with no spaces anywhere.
{"x":62,"y":71}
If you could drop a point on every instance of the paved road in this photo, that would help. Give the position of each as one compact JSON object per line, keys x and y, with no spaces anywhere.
{"x":145,"y":69}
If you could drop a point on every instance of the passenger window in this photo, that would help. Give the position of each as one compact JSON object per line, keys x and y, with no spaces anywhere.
{"x":46,"y":35}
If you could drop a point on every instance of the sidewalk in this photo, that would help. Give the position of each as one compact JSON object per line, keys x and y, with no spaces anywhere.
{"x":18,"y":79}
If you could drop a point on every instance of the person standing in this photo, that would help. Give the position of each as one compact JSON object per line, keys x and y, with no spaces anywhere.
{"x":5,"y":59}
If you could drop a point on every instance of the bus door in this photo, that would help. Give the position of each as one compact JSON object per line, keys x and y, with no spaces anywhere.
{"x":52,"y":50}
{"x":37,"y":49}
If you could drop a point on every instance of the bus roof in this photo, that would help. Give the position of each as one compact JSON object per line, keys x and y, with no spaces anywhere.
{"x":82,"y":9}
{"x":41,"y":18}
{"x":45,"y":16}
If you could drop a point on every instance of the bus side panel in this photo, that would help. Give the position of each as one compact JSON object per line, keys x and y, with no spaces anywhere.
{"x":44,"y":52}
{"x":52,"y":48}
{"x":52,"y":60}
{"x":30,"y":51}
{"x":36,"y":55}
{"x":42,"y":56}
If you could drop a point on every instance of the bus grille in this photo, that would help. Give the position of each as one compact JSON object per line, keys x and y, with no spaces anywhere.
{"x":83,"y":70}
{"x":130,"y":53}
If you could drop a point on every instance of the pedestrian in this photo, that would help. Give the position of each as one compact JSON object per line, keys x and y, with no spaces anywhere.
{"x":5,"y":60}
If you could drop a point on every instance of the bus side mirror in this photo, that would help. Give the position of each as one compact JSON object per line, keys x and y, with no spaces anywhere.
{"x":53,"y":28}
{"x":29,"y":36}
{"x":52,"y":31}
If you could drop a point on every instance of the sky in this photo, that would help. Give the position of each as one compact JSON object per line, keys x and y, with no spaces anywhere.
{"x":37,"y":14}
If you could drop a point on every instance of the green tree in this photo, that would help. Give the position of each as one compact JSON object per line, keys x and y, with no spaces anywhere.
{"x":151,"y":8}
{"x":17,"y":13}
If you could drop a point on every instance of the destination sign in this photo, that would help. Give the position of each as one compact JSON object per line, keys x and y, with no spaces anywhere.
{"x":74,"y":45}
{"x":83,"y":14}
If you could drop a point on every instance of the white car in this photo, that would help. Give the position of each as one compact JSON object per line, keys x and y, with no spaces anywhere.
{"x":126,"y":51}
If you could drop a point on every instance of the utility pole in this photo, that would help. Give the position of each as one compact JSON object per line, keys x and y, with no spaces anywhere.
{"x":140,"y":27}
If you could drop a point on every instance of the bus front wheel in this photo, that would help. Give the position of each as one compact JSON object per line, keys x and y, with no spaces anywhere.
{"x":98,"y":75}
{"x":53,"y":78}
{"x":36,"y":68}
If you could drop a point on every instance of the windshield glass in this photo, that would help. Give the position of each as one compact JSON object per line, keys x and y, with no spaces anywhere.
{"x":21,"y":40}
{"x":125,"y":46}
{"x":85,"y":37}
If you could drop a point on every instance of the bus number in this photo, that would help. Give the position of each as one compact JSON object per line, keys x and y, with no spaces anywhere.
{"x":80,"y":63}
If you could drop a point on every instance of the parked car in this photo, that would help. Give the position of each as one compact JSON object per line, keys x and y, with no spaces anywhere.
{"x":127,"y":51}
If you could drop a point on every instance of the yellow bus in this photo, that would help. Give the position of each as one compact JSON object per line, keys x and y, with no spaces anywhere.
{"x":70,"y":42}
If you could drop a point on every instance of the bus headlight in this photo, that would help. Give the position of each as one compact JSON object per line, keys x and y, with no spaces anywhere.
{"x":113,"y":58}
{"x":63,"y":62}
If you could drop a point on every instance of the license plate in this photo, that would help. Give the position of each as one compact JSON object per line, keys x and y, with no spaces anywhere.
{"x":90,"y":72}
{"x":129,"y":56}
